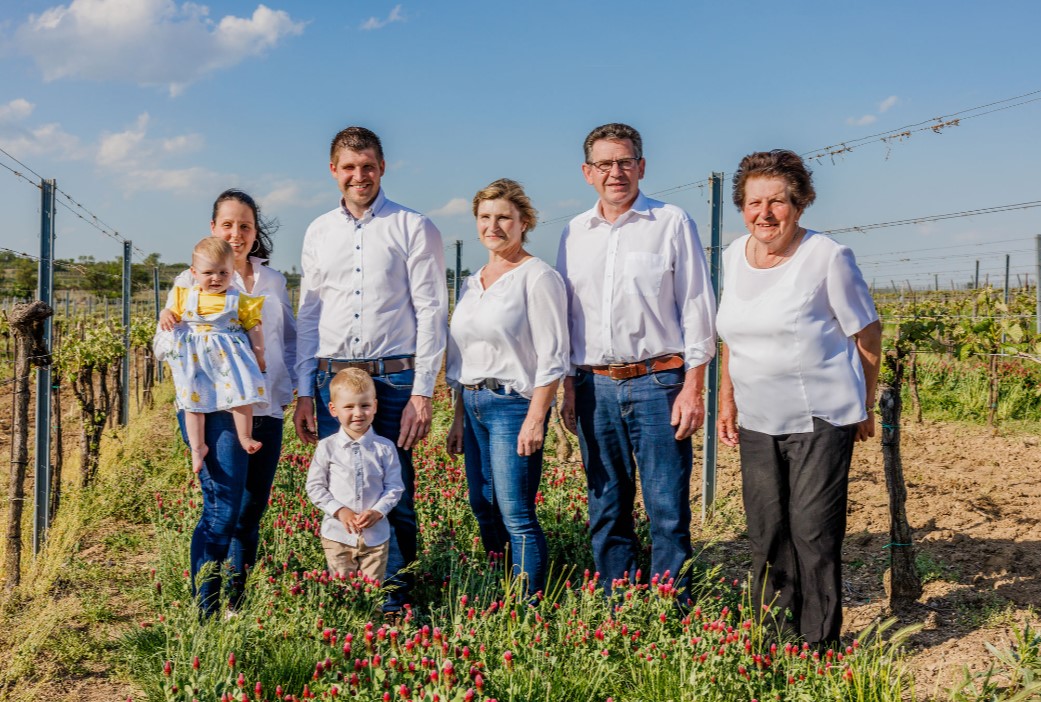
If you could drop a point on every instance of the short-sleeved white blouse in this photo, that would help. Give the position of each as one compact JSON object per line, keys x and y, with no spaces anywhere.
{"x":515,"y":331}
{"x":790,"y":332}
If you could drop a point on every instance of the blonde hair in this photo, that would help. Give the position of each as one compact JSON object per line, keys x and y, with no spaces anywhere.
{"x":213,"y":248}
{"x":352,"y":380}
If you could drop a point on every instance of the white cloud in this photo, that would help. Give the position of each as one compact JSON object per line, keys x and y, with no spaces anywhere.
{"x":195,"y":179}
{"x":294,"y":194}
{"x":396,"y":15}
{"x":861,"y":121}
{"x":888,"y":103}
{"x":45,"y":139}
{"x":16,"y":110}
{"x":124,"y":149}
{"x":147,"y":42}
{"x":453,"y":208}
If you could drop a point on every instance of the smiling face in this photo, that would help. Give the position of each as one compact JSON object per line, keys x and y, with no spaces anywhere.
{"x":353,"y":409}
{"x":768,"y":211}
{"x":618,"y":186}
{"x":212,"y":276}
{"x":500,"y":227}
{"x":236,"y":224}
{"x":358,"y":175}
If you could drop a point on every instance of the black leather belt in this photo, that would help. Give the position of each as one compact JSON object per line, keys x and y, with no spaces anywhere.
{"x":378,"y":366}
{"x":486,"y":384}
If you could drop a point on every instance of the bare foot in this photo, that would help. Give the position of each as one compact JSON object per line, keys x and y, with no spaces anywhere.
{"x":249,"y":444}
{"x":198,"y":455}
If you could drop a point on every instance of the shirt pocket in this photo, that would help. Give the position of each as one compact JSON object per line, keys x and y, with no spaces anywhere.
{"x":643,"y":273}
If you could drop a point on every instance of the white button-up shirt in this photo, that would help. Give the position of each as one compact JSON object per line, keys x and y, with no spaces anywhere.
{"x":515,"y":331}
{"x":637,"y":288}
{"x":277,"y":326}
{"x":357,"y":474}
{"x":789,"y":330}
{"x":372,"y":287}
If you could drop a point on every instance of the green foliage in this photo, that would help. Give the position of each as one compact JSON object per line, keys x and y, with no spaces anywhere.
{"x":1013,"y":675}
{"x":89,"y":347}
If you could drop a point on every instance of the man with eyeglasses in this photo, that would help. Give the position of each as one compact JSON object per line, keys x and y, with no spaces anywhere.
{"x":641,"y":315}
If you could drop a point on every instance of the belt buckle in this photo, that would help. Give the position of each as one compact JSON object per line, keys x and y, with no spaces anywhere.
{"x":621,"y":371}
{"x":380,"y":367}
{"x":492,"y":384}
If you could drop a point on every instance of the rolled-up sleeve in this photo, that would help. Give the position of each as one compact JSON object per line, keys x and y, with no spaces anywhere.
{"x":548,"y":320}
{"x":694,"y":297}
{"x":429,"y":292}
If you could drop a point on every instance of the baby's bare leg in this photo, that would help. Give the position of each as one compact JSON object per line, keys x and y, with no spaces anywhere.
{"x":243,"y":417}
{"x":195,"y":427}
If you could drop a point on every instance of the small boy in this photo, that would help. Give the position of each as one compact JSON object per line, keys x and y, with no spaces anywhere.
{"x":355,"y":478}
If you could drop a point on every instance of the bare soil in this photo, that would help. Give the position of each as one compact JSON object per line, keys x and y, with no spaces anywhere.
{"x":974,"y":502}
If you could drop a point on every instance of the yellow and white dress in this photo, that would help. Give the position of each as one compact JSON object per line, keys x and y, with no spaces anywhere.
{"x":210,"y":356}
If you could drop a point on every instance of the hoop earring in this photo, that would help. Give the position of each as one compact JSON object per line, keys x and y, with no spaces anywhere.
{"x":256,"y":247}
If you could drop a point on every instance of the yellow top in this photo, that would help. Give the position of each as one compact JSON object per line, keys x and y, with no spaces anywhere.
{"x":212,"y":303}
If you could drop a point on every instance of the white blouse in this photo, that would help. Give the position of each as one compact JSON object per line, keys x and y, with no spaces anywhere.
{"x":514,"y":332}
{"x":789,"y":330}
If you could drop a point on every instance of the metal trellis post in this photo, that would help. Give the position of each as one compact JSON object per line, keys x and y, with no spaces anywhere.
{"x":45,"y":286}
{"x":158,"y":309}
{"x":458,"y":270}
{"x":708,"y":472}
{"x":125,"y":395}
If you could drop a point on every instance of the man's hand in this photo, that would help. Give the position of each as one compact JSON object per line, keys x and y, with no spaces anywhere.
{"x":415,"y":421}
{"x":866,"y":429}
{"x":688,"y":411}
{"x":349,"y":520}
{"x":567,"y":405}
{"x":167,"y":319}
{"x":304,"y":421}
{"x":367,"y":518}
{"x":454,"y":442}
{"x":726,"y":424}
{"x":531,"y":436}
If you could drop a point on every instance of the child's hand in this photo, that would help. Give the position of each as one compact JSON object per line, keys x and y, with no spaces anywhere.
{"x":367,"y":519}
{"x":261,"y":362}
{"x":348,"y":519}
{"x":167,"y":319}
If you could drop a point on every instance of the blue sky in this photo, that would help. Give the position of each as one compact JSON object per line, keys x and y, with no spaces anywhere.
{"x":144,"y":110}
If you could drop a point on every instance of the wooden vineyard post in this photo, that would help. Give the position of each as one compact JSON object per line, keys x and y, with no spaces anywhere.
{"x":27,"y":329}
{"x":904,"y":584}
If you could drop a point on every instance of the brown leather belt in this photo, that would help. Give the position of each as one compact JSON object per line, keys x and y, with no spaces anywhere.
{"x":378,"y":366}
{"x":625,"y":371}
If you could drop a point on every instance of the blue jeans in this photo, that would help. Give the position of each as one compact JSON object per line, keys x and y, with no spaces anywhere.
{"x":392,"y":394}
{"x":623,"y":420}
{"x":503,"y":484}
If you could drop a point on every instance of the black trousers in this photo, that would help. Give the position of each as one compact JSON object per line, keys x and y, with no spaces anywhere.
{"x":795,"y":488}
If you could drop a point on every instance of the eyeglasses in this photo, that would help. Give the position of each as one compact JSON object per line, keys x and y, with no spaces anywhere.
{"x":626,"y":164}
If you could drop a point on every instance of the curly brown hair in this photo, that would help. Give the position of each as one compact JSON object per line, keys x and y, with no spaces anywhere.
{"x":779,"y":163}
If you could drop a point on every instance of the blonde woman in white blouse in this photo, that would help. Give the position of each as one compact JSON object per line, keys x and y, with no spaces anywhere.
{"x":507,"y":351}
{"x":799,"y":366}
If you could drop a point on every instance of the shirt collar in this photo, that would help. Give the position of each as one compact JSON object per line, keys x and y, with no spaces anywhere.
{"x":374,"y":208}
{"x":345,"y":440}
{"x":641,"y":207}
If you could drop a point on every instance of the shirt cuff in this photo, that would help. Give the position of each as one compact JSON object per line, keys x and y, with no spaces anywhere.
{"x":423,"y":384}
{"x":332,"y":507}
{"x":305,"y":386}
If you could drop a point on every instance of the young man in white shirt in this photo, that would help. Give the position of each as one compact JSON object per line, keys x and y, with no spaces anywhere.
{"x":641,"y":309}
{"x":355,"y":479}
{"x":373,"y":296}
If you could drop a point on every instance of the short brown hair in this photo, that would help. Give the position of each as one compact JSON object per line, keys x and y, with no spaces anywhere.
{"x":615,"y":131}
{"x":513,"y":192}
{"x":352,"y":380}
{"x":355,"y":139}
{"x":779,"y":163}
{"x":212,"y":248}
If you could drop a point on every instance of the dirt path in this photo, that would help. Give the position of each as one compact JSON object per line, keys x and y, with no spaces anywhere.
{"x":974,"y":501}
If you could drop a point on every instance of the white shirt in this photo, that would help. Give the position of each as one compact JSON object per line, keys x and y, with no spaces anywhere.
{"x":359,"y":475}
{"x":638,"y":288}
{"x":277,"y":326}
{"x":371,"y":288}
{"x":789,"y":330}
{"x":515,"y":331}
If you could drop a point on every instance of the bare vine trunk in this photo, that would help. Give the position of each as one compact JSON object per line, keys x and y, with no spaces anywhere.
{"x":58,"y":459}
{"x":905,"y":586}
{"x":992,"y":395}
{"x":27,"y":328}
{"x":149,"y":377}
{"x":916,"y":400}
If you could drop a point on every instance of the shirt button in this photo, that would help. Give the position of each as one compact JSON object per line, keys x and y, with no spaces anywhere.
{"x":357,"y":270}
{"x":358,"y":246}
{"x":357,"y":292}
{"x":356,"y":315}
{"x":357,"y":339}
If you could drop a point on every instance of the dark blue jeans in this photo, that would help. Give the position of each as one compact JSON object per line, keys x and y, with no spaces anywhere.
{"x":235,"y":489}
{"x":624,"y":425}
{"x":392,"y":394}
{"x":503,"y":484}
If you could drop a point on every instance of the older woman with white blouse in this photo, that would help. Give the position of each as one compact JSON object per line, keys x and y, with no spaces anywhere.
{"x":799,"y":366}
{"x":507,"y":351}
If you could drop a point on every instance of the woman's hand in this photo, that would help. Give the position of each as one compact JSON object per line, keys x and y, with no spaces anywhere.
{"x":454,"y":441}
{"x":567,"y":405}
{"x":726,"y":423}
{"x":531,"y":436}
{"x":866,"y":429}
{"x":168,"y":319}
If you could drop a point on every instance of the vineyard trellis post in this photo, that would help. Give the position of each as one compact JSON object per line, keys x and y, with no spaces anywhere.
{"x":45,"y":290}
{"x":458,"y":270}
{"x":1037,"y":288}
{"x":708,"y":473}
{"x":124,"y":400}
{"x":158,"y":308}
